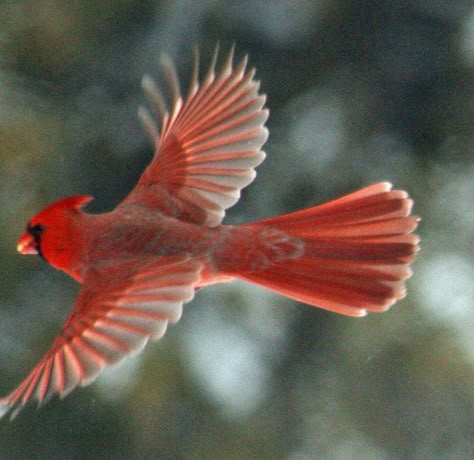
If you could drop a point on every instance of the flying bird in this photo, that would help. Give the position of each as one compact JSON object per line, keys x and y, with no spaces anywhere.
{"x":139,"y":263}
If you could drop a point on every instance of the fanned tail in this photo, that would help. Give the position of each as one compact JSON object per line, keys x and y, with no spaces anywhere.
{"x":350,"y":255}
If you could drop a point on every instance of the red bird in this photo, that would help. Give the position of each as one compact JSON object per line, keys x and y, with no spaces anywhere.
{"x":140,"y":262}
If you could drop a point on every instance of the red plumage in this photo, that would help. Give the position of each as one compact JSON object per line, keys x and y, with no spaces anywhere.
{"x":140,"y":262}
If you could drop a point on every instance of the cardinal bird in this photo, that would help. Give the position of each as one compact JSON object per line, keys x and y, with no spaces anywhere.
{"x":139,"y":263}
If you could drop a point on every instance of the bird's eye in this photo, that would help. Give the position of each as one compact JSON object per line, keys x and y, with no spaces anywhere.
{"x":35,"y":230}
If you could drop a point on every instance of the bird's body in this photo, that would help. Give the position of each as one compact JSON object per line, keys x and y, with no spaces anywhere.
{"x":141,"y":261}
{"x":133,"y":232}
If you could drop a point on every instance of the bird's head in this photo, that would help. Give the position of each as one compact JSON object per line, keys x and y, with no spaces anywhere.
{"x":52,"y":232}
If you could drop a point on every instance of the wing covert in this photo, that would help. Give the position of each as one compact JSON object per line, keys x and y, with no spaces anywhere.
{"x":113,"y":317}
{"x":209,"y":143}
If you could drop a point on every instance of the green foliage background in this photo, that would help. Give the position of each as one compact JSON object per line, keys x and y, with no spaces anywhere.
{"x":358,"y":92}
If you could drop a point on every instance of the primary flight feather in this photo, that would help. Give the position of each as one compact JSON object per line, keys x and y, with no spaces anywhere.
{"x":140,"y":262}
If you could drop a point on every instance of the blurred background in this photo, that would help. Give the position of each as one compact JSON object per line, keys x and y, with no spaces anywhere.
{"x":358,"y":92}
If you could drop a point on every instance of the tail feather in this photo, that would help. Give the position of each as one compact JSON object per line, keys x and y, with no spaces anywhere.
{"x":356,"y":256}
{"x":374,"y":203}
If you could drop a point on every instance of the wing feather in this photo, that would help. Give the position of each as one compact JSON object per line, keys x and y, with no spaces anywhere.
{"x":209,"y":145}
{"x":114,"y":317}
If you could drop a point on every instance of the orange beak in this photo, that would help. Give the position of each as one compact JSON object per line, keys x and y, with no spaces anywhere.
{"x":26,"y":244}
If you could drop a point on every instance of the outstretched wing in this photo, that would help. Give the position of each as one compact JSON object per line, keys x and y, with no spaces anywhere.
{"x":209,"y":144}
{"x":115,"y":315}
